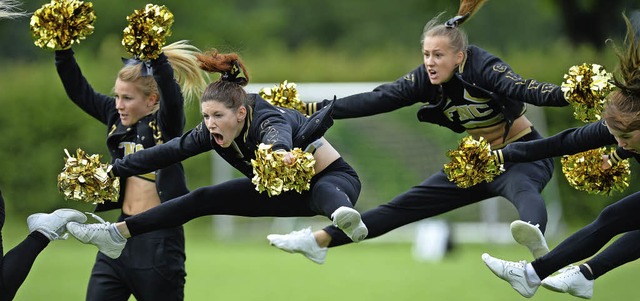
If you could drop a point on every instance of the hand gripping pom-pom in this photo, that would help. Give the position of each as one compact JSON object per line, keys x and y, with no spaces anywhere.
{"x":85,"y":178}
{"x":585,"y":87}
{"x":147,"y":31}
{"x":272,"y":175}
{"x":472,"y":163}
{"x":284,"y":95}
{"x":61,"y":23}
{"x":584,"y":172}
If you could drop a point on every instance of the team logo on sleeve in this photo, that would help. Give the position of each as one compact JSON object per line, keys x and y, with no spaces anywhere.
{"x":410,"y":77}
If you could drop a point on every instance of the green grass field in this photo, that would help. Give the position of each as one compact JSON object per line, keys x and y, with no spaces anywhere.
{"x":253,"y":270}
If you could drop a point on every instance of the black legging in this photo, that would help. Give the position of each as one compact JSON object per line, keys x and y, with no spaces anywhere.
{"x":521,"y":184}
{"x":619,"y":217}
{"x":337,"y":185}
{"x":16,"y":264}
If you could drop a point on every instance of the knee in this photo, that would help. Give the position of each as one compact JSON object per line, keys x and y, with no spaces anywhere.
{"x":609,"y":213}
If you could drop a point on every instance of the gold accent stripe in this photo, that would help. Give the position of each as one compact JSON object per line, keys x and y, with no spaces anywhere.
{"x":312,"y":107}
{"x":614,"y":158}
{"x":499,"y":156}
{"x":514,"y":138}
{"x":148,"y":176}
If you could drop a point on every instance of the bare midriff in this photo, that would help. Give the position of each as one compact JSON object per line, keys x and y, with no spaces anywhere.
{"x":495,"y":134}
{"x":140,"y":196}
{"x":325,"y":155}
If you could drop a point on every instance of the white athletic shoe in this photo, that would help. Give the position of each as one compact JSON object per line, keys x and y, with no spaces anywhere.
{"x":100,"y":235}
{"x":531,"y":237}
{"x":512,"y":272}
{"x":348,"y":220}
{"x":570,"y":281}
{"x":302,"y":242}
{"x":52,"y":225}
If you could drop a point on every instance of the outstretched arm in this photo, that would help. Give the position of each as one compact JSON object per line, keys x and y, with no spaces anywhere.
{"x":193,"y":142}
{"x":412,"y":88}
{"x":567,"y":142}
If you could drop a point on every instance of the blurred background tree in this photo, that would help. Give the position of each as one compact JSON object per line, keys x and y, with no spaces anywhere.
{"x":299,"y":41}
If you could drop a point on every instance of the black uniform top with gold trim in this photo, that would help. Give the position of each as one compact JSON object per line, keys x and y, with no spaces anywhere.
{"x":484,"y":91}
{"x":154,"y":129}
{"x":567,"y":142}
{"x":283,"y":128}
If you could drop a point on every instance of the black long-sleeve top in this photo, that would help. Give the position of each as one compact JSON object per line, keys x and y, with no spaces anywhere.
{"x":567,"y":142}
{"x":154,"y":129}
{"x":282,"y":128}
{"x":484,"y":91}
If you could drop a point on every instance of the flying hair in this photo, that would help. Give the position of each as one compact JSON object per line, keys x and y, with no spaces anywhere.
{"x":228,"y":64}
{"x":467,"y":9}
{"x":183,"y":60}
{"x":622,"y":107}
{"x":470,"y":7}
{"x":629,"y":66}
{"x":8,"y":9}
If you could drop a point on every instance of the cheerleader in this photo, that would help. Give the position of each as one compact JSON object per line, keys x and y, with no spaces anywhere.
{"x":619,"y":125}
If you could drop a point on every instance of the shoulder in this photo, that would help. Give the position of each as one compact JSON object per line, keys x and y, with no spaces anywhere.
{"x":480,"y":61}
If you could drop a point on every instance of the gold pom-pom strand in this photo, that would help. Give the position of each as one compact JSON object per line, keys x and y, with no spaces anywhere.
{"x":284,"y":95}
{"x":585,"y":87}
{"x":584,"y":172}
{"x":147,"y":31}
{"x":85,"y":178}
{"x":472,"y":163}
{"x":272,"y":175}
{"x":61,"y":23}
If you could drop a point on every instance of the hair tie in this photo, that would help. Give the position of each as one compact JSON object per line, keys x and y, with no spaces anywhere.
{"x":455,"y":21}
{"x":234,"y":75}
{"x":146,"y":69}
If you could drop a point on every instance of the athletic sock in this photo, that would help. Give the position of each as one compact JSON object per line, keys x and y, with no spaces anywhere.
{"x":115,"y":234}
{"x":532,"y":276}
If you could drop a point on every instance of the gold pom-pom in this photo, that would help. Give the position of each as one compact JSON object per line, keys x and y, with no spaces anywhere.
{"x":284,"y":95}
{"x":271,"y":174}
{"x":84,"y":178}
{"x":61,"y":23}
{"x":147,"y":31}
{"x":472,"y":163}
{"x":584,"y":172}
{"x":585,"y":87}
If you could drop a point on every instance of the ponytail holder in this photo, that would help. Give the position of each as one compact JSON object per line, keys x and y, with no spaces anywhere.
{"x":146,"y":69}
{"x":233,"y":75}
{"x":455,"y":21}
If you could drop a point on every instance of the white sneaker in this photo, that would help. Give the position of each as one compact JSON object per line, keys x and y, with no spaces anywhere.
{"x":531,"y":237}
{"x":348,"y":220}
{"x":52,"y":225}
{"x":512,"y":272}
{"x":570,"y":281}
{"x":301,"y":242}
{"x":99,"y":235}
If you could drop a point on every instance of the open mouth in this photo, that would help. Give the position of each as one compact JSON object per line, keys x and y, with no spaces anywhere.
{"x":432,"y":73}
{"x":218,"y":138}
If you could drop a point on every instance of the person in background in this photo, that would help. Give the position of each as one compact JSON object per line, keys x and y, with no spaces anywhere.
{"x":146,"y":109}
{"x":465,"y":89}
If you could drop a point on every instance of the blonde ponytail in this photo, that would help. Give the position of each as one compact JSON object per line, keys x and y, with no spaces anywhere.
{"x":182,"y":57}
